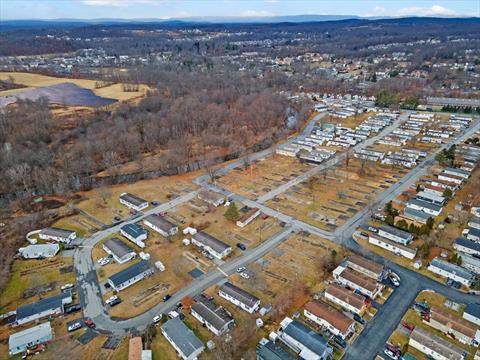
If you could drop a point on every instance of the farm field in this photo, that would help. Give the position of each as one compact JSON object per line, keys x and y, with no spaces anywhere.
{"x":262,"y":176}
{"x":34,"y":81}
{"x":329,"y":199}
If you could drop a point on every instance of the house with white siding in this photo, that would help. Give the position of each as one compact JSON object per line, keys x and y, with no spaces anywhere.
{"x":329,"y":318}
{"x":345,"y":298}
{"x":133,"y":202}
{"x":239,"y":297}
{"x":396,"y":235}
{"x":161,"y":225}
{"x":56,"y":234}
{"x":212,"y":245}
{"x":434,"y":346}
{"x":39,"y":251}
{"x":135,"y":233}
{"x":452,"y":271}
{"x":392,"y":246}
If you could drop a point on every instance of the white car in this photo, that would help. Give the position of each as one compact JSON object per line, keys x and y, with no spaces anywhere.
{"x":245,"y":275}
{"x":390,"y":354}
{"x":66,"y":287}
{"x":103,"y":261}
{"x":111,"y":299}
{"x":173,"y":314}
{"x":394,"y":278}
{"x":74,"y":326}
{"x":157,"y":318}
{"x":241,"y":269}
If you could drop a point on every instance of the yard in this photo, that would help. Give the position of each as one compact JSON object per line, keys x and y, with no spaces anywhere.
{"x":328,"y":199}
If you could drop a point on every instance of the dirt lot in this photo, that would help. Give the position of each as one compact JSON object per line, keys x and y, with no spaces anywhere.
{"x":400,"y":336}
{"x":33,"y":81}
{"x":329,"y":199}
{"x":350,"y":122}
{"x":103,"y":203}
{"x":263,"y":176}
{"x":32,"y":278}
{"x":196,"y":213}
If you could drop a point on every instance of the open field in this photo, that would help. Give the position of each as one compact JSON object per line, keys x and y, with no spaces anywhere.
{"x":351,"y":122}
{"x":103,"y":203}
{"x":33,"y":81}
{"x":31,"y":278}
{"x":196,"y":213}
{"x":329,"y":199}
{"x":262,"y":176}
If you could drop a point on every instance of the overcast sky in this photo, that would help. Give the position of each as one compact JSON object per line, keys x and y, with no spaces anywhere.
{"x":90,"y":9}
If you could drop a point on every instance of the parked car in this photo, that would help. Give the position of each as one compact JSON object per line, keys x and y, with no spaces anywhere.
{"x":245,"y":275}
{"x":89,"y":323}
{"x":241,"y":246}
{"x":155,"y":203}
{"x":408,"y":326}
{"x":337,"y":340}
{"x":358,"y":319}
{"x":372,"y":229}
{"x":167,"y":297}
{"x":76,"y":325}
{"x":73,"y":308}
{"x":66,"y":287}
{"x":173,"y":314}
{"x":112,"y":299}
{"x":394,"y":280}
{"x":391,"y":354}
{"x":103,"y":261}
{"x":156,"y":319}
{"x":454,"y":284}
{"x":241,"y":269}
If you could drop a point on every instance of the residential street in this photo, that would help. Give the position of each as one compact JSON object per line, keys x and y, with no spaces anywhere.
{"x":376,"y":332}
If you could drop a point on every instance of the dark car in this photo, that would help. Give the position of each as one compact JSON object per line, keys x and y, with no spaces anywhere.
{"x":358,"y":319}
{"x":155,"y":203}
{"x":167,"y":297}
{"x":337,"y":340}
{"x":241,"y":246}
{"x":107,"y":285}
{"x":72,"y":308}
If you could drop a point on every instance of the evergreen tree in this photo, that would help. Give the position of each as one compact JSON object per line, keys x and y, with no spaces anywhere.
{"x":232,"y":212}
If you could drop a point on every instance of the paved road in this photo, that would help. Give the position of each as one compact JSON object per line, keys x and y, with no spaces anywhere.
{"x":376,"y":332}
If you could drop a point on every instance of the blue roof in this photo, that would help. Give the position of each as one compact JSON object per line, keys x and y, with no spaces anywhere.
{"x":468,"y":244}
{"x":50,"y":303}
{"x":309,"y":338}
{"x":425,"y":204}
{"x":453,"y":269}
{"x":129,"y":273}
{"x":473,"y":231}
{"x":473,"y":309}
{"x":133,"y":230}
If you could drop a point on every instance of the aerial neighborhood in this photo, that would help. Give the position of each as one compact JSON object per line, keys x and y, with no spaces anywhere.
{"x":254,"y":187}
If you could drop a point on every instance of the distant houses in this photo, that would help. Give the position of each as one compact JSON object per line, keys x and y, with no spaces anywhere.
{"x":183,"y":340}
{"x":130,"y":275}
{"x":212,"y":245}
{"x":239,"y":297}
{"x":56,"y":234}
{"x":161,"y":225}
{"x":133,"y":202}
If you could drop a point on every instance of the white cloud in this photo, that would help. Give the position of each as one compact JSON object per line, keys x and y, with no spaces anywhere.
{"x":118,"y":3}
{"x":435,"y":10}
{"x":255,"y":13}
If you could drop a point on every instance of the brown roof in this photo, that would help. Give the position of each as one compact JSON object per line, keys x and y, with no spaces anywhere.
{"x":346,"y":295}
{"x":135,"y":348}
{"x":456,"y":323}
{"x":248,"y":215}
{"x":329,"y":314}
{"x":359,"y":279}
{"x":433,"y":187}
{"x":366,"y":264}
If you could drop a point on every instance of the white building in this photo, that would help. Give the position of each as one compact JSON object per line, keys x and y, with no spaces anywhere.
{"x":120,"y":251}
{"x":330,"y":318}
{"x":396,"y":235}
{"x":239,"y":297}
{"x":214,"y":317}
{"x":133,"y":202}
{"x":452,"y":271}
{"x":56,"y":234}
{"x":434,"y":346}
{"x":22,"y":340}
{"x":215,"y":247}
{"x":161,"y":225}
{"x":135,"y":233}
{"x":345,"y":298}
{"x":39,"y":251}
{"x":394,"y":247}
{"x":183,"y":340}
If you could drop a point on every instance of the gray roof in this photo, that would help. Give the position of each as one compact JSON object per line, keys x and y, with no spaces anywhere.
{"x":309,"y":338}
{"x":160,"y":222}
{"x":118,"y":247}
{"x":458,"y":171}
{"x":473,"y":309}
{"x":397,"y":232}
{"x":50,"y":303}
{"x":473,"y":231}
{"x":182,"y":336}
{"x":215,"y":315}
{"x":133,"y":230}
{"x":468,"y":244}
{"x":453,"y":101}
{"x":208,"y":240}
{"x":453,"y":269}
{"x":133,"y":199}
{"x":30,"y":335}
{"x":130,"y":272}
{"x":239,"y":294}
{"x":270,"y":351}
{"x":40,"y":250}
{"x":425,"y":204}
{"x":416,"y":214}
{"x":52,"y":231}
